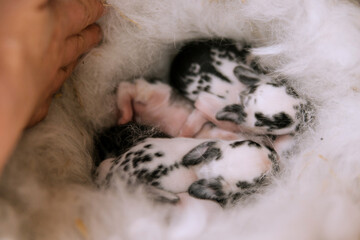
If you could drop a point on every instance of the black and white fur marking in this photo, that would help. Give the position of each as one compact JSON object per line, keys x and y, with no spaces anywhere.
{"x":247,"y":97}
{"x":208,"y":169}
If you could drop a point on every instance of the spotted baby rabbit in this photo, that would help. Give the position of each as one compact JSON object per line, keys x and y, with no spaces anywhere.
{"x":217,"y":170}
{"x":233,"y":92}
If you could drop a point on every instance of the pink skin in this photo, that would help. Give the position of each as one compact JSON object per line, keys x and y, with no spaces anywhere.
{"x":151,"y":104}
{"x":210,"y":131}
{"x":209,"y":105}
{"x":186,"y":199}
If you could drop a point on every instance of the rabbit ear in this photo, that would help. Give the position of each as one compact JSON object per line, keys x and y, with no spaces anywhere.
{"x":210,"y":189}
{"x":203,"y":152}
{"x":246,"y":75}
{"x":234,"y":113}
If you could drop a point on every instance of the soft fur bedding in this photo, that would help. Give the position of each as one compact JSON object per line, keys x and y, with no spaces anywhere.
{"x":46,"y":191}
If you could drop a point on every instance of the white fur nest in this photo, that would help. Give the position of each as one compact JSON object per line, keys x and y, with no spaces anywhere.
{"x":46,"y":191}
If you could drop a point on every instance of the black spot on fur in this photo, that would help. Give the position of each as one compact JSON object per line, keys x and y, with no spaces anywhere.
{"x":304,"y":114}
{"x":243,"y":184}
{"x":141,"y":159}
{"x":247,"y":189}
{"x":211,"y":189}
{"x":271,"y":149}
{"x":164,"y":171}
{"x":277,"y":121}
{"x":200,"y":53}
{"x":248,"y":80}
{"x":253,"y":144}
{"x":252,"y":89}
{"x":246,"y":75}
{"x":290,"y":91}
{"x":125,"y":161}
{"x":155,"y":184}
{"x":234,"y":113}
{"x":189,"y":80}
{"x":214,"y":153}
{"x":139,"y":152}
{"x":261,"y":180}
{"x":274,"y":160}
{"x":206,"y":78}
{"x":148,"y":146}
{"x":203,"y":152}
{"x":141,"y":173}
{"x":155,"y":174}
{"x":237,"y":144}
{"x":128,"y":154}
{"x":135,"y":162}
{"x":116,"y":160}
{"x":146,"y":158}
{"x":272,"y":137}
{"x":275,"y":84}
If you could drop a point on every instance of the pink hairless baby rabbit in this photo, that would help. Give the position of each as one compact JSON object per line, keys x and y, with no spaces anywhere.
{"x":157,"y":104}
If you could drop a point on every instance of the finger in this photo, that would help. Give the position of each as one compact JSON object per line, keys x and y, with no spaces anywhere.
{"x":75,"y":15}
{"x":41,"y":112}
{"x":81,"y":43}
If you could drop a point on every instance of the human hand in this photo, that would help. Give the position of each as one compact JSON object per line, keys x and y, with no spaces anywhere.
{"x":42,"y":41}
